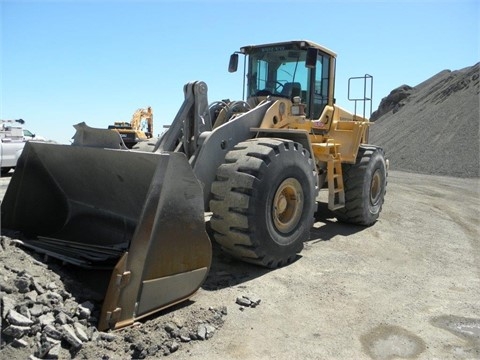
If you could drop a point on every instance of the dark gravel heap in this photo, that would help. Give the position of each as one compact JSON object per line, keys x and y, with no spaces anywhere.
{"x":432,"y":128}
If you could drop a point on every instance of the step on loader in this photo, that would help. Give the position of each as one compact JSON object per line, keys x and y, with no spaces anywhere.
{"x":256,"y":165}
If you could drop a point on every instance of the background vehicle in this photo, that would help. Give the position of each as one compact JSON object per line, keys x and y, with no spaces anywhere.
{"x":28,"y":135}
{"x":257,"y":165}
{"x":11,"y":144}
{"x":140,"y":128}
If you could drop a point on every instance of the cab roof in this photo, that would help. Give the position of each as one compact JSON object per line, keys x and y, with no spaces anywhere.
{"x":301,"y":44}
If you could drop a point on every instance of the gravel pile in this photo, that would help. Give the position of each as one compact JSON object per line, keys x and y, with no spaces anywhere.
{"x":41,"y":319}
{"x":432,"y":128}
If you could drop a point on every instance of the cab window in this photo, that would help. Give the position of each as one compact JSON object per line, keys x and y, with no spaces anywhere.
{"x":321,"y":84}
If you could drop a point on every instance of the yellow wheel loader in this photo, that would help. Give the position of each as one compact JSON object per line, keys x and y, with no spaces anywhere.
{"x":256,"y":165}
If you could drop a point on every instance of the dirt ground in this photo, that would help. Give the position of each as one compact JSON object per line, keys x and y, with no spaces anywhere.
{"x":406,"y":288}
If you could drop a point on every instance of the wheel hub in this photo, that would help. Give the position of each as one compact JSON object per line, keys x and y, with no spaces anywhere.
{"x":287,"y":205}
{"x":375,"y":188}
{"x":281,"y":204}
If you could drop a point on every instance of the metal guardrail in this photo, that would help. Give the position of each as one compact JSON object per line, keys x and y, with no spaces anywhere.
{"x":367,"y":98}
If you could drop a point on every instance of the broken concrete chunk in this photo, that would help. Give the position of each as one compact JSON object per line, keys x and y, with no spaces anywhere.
{"x":70,"y":336}
{"x":31,"y":295}
{"x":185,"y":338}
{"x":49,"y":298}
{"x":19,"y":343}
{"x":107,"y":336}
{"x":16,"y":331}
{"x":248,"y":301}
{"x":37,"y":287}
{"x":84,"y":309}
{"x":81,"y":331}
{"x":169,"y":327}
{"x":24,"y":310}
{"x":52,"y":286}
{"x":49,"y":330}
{"x":210,"y":331}
{"x":36,"y":310}
{"x":46,"y":319}
{"x":8,"y":304}
{"x":201,"y":332}
{"x":5,"y":287}
{"x":243,"y":301}
{"x":42,"y":348}
{"x":54,"y":352}
{"x":254,"y":300}
{"x":63,"y":318}
{"x":22,"y":283}
{"x":16,"y":318}
{"x":173,"y":346}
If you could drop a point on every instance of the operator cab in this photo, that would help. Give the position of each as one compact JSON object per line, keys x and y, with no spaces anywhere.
{"x":288,"y":70}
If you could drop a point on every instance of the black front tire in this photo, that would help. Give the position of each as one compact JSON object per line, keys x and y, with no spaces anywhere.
{"x":263,"y":201}
{"x":365,"y":184}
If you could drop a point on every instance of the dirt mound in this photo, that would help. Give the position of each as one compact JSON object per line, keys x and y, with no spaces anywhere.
{"x":432,"y":128}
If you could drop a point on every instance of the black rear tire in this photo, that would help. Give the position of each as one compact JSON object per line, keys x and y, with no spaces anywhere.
{"x":263,"y":201}
{"x":365,"y":184}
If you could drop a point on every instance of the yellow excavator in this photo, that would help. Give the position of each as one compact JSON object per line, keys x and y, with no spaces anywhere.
{"x":139,"y":129}
{"x":257,"y":166}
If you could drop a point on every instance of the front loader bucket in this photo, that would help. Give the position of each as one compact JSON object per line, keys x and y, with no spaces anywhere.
{"x":137,"y":214}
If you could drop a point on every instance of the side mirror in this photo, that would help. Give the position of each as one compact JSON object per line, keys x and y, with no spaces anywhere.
{"x":233,"y":64}
{"x":311,"y":60}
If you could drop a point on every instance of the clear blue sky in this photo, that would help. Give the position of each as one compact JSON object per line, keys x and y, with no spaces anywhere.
{"x":64,"y":62}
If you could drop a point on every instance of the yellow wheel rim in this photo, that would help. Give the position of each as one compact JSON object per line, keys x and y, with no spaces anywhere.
{"x":375,"y":188}
{"x":287,"y":205}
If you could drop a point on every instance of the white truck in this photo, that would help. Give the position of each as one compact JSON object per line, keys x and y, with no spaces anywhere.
{"x":12,"y":142}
